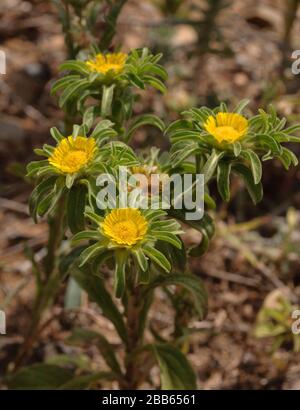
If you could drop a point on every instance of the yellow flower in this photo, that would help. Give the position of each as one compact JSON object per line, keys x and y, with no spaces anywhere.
{"x":151,"y":185}
{"x":103,"y":63}
{"x":227,"y":127}
{"x":72,"y":154}
{"x":125,"y":226}
{"x":143,"y":169}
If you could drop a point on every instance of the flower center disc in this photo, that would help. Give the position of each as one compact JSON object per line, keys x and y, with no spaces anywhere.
{"x":225,"y":126}
{"x":227,"y":133}
{"x":126,"y":231}
{"x":111,"y":66}
{"x":75,"y":159}
{"x":72,"y":154}
{"x":125,"y":226}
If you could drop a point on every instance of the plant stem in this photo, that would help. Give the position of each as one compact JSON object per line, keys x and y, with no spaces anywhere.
{"x":208,"y":26}
{"x":56,"y":231}
{"x":111,"y":22}
{"x":134,"y":303}
{"x":50,"y":286}
{"x":67,"y":28}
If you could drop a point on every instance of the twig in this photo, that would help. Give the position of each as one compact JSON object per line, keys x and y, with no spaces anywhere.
{"x":9,"y":297}
{"x":250,"y":256}
{"x":232,"y":277}
{"x":19,"y":247}
{"x":13,"y":206}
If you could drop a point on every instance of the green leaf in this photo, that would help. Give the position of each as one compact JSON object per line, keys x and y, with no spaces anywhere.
{"x":71,"y":90}
{"x":67,"y":261}
{"x":168,"y":237}
{"x":269,"y":142}
{"x":70,"y":179}
{"x":177,"y":256}
{"x":203,"y":246}
{"x":292,"y":129}
{"x":119,"y":283}
{"x":56,"y":134}
{"x":237,"y":147}
{"x":78,"y":361}
{"x":209,"y":201}
{"x":79,"y":130}
{"x":37,"y":194}
{"x":107,"y":98}
{"x":49,"y":201}
{"x":74,"y":65}
{"x":160,"y":71}
{"x":39,"y":376}
{"x":64,"y":82}
{"x":90,"y":115}
{"x":146,"y":119}
{"x":75,"y":207}
{"x":211,"y":164}
{"x":101,"y":126}
{"x":73,"y":295}
{"x":176,"y":372}
{"x":255,"y":164}
{"x":85,"y":382}
{"x":241,"y":105}
{"x":191,"y":283}
{"x":95,"y":288}
{"x":287,"y":158}
{"x":255,"y":190}
{"x":141,"y":259}
{"x":34,"y":166}
{"x":223,"y":179}
{"x":182,"y":153}
{"x":86,"y":336}
{"x":205,"y":224}
{"x":157,"y":257}
{"x":90,"y":252}
{"x":135,"y":80}
{"x":155,"y":83}
{"x":97,"y":219}
{"x":86,"y":236}
{"x":143,"y":277}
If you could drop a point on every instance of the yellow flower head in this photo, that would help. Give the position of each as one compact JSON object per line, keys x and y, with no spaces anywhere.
{"x":103,"y":63}
{"x":125,"y":226}
{"x":72,"y":154}
{"x":143,"y":169}
{"x":151,"y":185}
{"x":228,"y":127}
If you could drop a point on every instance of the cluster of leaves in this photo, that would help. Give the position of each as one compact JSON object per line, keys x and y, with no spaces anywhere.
{"x":158,"y":230}
{"x":51,"y":184}
{"x":113,"y":90}
{"x":263,"y":141}
{"x":159,"y":260}
{"x":80,"y":20}
{"x":275,"y":321}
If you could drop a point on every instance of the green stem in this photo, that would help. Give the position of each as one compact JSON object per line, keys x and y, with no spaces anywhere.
{"x":134,"y":304}
{"x":50,"y":286}
{"x":56,"y":231}
{"x":208,"y":26}
{"x":111,"y":22}
{"x":67,"y":28}
{"x":198,"y":164}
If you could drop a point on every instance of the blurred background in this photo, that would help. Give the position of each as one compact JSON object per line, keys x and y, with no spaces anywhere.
{"x":214,"y":50}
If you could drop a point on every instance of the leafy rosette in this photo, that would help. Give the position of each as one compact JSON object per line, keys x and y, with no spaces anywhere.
{"x":70,"y":168}
{"x":130,"y":235}
{"x":222,"y":142}
{"x":109,"y":78}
